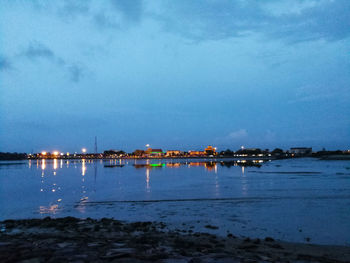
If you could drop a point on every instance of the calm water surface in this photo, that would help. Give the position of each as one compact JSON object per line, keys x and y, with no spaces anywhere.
{"x":286,"y":199}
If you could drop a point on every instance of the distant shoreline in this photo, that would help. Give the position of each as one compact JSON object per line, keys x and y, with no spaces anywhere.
{"x":345,"y":157}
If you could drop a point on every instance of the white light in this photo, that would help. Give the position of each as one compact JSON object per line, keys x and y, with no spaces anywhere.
{"x":83,"y":150}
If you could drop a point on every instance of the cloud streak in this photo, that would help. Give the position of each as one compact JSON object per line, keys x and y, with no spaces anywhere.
{"x":4,"y":63}
{"x":291,"y":21}
{"x":239,"y":134}
{"x":210,"y":20}
{"x":38,"y":50}
{"x":131,"y":10}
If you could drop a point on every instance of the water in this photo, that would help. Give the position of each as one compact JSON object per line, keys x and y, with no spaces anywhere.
{"x":291,"y":200}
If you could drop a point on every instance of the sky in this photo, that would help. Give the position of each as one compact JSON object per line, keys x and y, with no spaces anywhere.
{"x":174,"y":74}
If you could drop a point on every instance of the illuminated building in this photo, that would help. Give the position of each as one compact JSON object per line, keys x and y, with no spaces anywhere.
{"x":154,"y":152}
{"x":170,"y":153}
{"x":210,"y":150}
{"x":196,"y":153}
{"x":139,"y":153}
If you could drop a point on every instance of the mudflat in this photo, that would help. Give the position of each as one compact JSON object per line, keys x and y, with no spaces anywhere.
{"x":71,"y":239}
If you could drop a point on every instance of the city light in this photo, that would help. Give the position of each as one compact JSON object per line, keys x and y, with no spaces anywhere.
{"x":147,"y":145}
{"x":43,"y":153}
{"x":83,"y":150}
{"x":55,"y":153}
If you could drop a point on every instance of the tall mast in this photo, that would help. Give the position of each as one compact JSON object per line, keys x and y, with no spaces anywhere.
{"x":95,"y":144}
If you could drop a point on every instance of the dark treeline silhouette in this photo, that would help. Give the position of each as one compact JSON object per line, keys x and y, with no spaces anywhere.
{"x":329,"y":153}
{"x":12,"y":156}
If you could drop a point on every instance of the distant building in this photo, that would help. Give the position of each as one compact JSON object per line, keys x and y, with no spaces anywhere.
{"x":210,"y":150}
{"x":114,"y":152}
{"x":171,"y":153}
{"x":139,"y":152}
{"x":154,"y":152}
{"x":196,"y":153}
{"x":249,"y":152}
{"x":301,"y":151}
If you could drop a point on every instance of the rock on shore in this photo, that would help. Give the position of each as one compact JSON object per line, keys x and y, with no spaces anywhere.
{"x":87,"y":240}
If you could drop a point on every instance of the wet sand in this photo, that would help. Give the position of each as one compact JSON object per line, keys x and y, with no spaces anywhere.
{"x":87,"y":240}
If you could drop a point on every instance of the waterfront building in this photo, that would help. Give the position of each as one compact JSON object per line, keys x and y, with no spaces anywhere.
{"x":210,"y":150}
{"x":301,"y":151}
{"x":196,"y":153}
{"x":154,"y":152}
{"x":139,"y":153}
{"x":171,"y":153}
{"x":113,"y":153}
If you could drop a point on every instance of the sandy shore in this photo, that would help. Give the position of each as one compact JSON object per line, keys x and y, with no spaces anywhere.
{"x":107,"y":240}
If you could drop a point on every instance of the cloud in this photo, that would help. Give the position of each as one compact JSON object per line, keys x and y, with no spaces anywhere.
{"x":316,"y":93}
{"x":38,"y":50}
{"x":289,"y":20}
{"x":239,"y":134}
{"x":75,"y":73}
{"x":122,"y":14}
{"x":4,"y":63}
{"x":64,"y":8}
{"x":326,"y":20}
{"x":104,"y":21}
{"x":71,"y":8}
{"x":131,"y":10}
{"x":208,"y":20}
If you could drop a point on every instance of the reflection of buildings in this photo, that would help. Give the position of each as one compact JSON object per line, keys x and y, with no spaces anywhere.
{"x":43,"y":164}
{"x":209,"y":166}
{"x":51,"y":209}
{"x":84,"y":198}
{"x":147,"y":179}
{"x":53,"y":188}
{"x":150,"y":165}
{"x":173,"y":165}
{"x":83,"y":167}
{"x":242,"y":163}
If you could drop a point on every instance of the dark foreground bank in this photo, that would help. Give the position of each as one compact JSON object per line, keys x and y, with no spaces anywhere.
{"x":107,"y":240}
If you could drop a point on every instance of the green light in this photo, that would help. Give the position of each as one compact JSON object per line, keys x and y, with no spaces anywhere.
{"x":156,"y":165}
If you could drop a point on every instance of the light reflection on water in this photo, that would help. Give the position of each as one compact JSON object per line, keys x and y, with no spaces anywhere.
{"x":276,"y":199}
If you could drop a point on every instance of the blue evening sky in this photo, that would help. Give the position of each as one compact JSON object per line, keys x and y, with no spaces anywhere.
{"x":175,"y":74}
